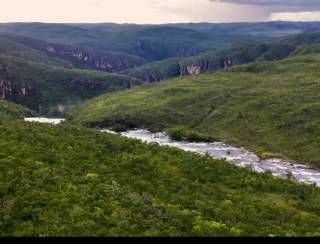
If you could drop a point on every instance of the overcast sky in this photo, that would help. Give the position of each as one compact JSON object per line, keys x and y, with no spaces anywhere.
{"x":157,"y":11}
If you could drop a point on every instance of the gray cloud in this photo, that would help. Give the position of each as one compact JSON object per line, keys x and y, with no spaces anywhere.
{"x":296,"y":3}
{"x":276,"y":6}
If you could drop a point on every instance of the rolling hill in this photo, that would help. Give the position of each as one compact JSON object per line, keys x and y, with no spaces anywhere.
{"x":14,"y":49}
{"x":272,"y":28}
{"x":150,"y":42}
{"x":271,"y":108}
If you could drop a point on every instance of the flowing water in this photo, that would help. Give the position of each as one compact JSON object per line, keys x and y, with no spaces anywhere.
{"x":238,"y":156}
{"x":45,"y":120}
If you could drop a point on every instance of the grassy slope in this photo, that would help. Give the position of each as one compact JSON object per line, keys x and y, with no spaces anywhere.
{"x":87,"y":183}
{"x":50,"y":86}
{"x":307,"y":49}
{"x":11,"y":109}
{"x":14,"y":49}
{"x":265,"y":106}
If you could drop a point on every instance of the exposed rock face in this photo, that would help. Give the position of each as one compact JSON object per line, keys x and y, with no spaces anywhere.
{"x":5,"y":89}
{"x":87,"y":84}
{"x":193,"y":69}
{"x":23,"y":89}
{"x":104,"y":63}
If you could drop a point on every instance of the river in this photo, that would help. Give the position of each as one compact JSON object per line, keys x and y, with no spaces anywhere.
{"x":238,"y":156}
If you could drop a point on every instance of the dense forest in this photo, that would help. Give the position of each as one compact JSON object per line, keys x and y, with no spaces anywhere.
{"x":89,"y":183}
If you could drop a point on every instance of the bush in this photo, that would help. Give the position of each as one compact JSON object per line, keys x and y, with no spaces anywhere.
{"x":182,"y":133}
{"x":119,"y":128}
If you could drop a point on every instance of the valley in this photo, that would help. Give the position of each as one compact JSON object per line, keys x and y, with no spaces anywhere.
{"x":230,"y":113}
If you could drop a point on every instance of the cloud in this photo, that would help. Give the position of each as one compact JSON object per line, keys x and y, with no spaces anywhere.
{"x":296,"y":3}
{"x":287,"y":16}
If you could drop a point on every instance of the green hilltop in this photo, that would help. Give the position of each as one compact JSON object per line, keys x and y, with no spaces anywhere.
{"x":271,"y":108}
{"x":14,"y":49}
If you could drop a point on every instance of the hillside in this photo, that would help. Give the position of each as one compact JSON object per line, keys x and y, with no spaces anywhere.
{"x":271,"y":108}
{"x":88,"y":183}
{"x":81,"y":58}
{"x":52,"y":90}
{"x":156,"y":71}
{"x":14,"y":49}
{"x":236,"y":54}
{"x":303,"y":39}
{"x":307,"y":49}
{"x":13,"y":110}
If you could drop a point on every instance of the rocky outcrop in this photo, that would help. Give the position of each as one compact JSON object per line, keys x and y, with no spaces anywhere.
{"x":23,"y":89}
{"x":87,"y":84}
{"x":194,"y":69}
{"x":5,"y":89}
{"x":112,"y":63}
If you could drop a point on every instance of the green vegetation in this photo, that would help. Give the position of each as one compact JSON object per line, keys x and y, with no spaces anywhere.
{"x":14,"y":49}
{"x":13,"y":110}
{"x":69,"y":181}
{"x":147,"y":41}
{"x":52,"y":90}
{"x":180,"y":133}
{"x":238,"y":53}
{"x":268,"y":107}
{"x":82,"y":58}
{"x":156,"y":71}
{"x":271,"y":29}
{"x":303,"y":39}
{"x":307,"y":49}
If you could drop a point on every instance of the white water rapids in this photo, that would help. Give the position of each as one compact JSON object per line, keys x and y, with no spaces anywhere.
{"x":238,"y":156}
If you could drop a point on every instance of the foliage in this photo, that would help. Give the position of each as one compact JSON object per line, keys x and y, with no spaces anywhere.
{"x":89,"y":183}
{"x":182,"y":133}
{"x":238,"y":53}
{"x":147,"y":41}
{"x":13,"y":110}
{"x":67,"y":56}
{"x":269,"y":105}
{"x":155,"y":71}
{"x":14,"y":49}
{"x":303,"y":38}
{"x":52,"y":90}
{"x":307,"y":49}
